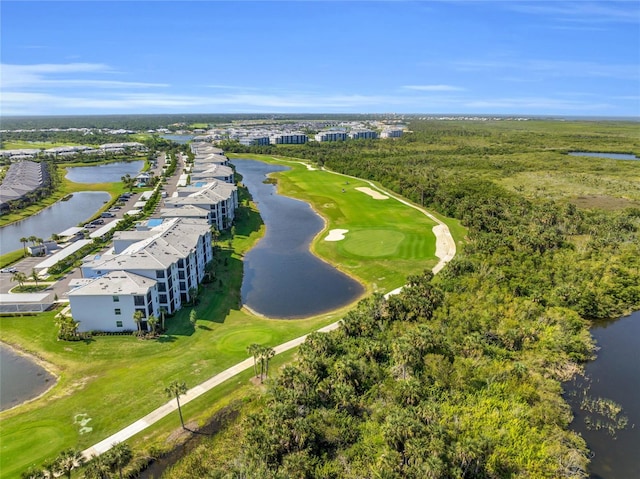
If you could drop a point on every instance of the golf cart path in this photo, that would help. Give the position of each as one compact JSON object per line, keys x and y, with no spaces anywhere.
{"x":445,"y":251}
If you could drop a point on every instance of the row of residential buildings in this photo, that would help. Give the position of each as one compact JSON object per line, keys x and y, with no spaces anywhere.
{"x":62,"y":151}
{"x":154,"y":268}
{"x":22,"y":177}
{"x":291,"y":134}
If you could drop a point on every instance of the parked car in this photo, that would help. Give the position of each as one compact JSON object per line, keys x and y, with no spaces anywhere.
{"x":115,"y":208}
{"x":10,"y":269}
{"x":97,"y":222}
{"x":108,"y":214}
{"x":89,"y":226}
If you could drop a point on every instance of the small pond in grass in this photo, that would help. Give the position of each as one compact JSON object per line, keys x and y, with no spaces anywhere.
{"x":614,"y":375}
{"x":106,"y":173}
{"x":21,"y":378}
{"x":282,"y":279}
{"x":612,"y":156}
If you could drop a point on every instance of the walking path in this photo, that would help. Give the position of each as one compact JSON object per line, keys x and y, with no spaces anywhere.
{"x":445,"y":251}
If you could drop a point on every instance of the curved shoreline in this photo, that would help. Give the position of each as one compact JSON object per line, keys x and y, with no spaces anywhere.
{"x":43,"y":363}
{"x":447,"y":249}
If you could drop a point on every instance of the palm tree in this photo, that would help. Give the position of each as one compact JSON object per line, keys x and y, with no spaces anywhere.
{"x":137,"y":318}
{"x":119,"y":456}
{"x":34,"y":276}
{"x":254,"y":350}
{"x":153,"y":322}
{"x":33,"y":239}
{"x":68,"y":460}
{"x":163,"y":311}
{"x":19,"y":277}
{"x":267,"y":354}
{"x":97,"y":468}
{"x":177,"y":389}
{"x":24,"y":242}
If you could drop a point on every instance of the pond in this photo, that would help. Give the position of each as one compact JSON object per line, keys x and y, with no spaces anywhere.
{"x":182,"y":139}
{"x":612,"y":156}
{"x":107,"y":173}
{"x":53,"y":220}
{"x":282,"y":278}
{"x":20,"y":378}
{"x":615,"y":375}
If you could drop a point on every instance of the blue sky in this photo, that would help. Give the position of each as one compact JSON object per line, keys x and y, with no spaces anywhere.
{"x":539,"y":57}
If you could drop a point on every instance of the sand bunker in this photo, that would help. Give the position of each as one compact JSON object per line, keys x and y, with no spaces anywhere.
{"x":373,"y":193}
{"x":336,"y":235}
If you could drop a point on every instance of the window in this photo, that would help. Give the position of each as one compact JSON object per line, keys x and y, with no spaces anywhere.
{"x":116,"y":299}
{"x":160,"y":273}
{"x":163,"y":298}
{"x":118,"y":324}
{"x":138,"y":300}
{"x":117,"y":312}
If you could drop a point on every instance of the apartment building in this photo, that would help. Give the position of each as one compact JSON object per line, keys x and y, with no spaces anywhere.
{"x":172,"y":254}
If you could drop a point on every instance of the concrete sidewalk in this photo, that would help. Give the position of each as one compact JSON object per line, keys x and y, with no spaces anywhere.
{"x":445,"y":251}
{"x":171,"y":406}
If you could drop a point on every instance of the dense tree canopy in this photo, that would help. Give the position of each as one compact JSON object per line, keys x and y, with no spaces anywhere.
{"x":459,"y":375}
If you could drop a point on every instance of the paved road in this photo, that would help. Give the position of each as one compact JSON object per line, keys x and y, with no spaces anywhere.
{"x":445,"y":250}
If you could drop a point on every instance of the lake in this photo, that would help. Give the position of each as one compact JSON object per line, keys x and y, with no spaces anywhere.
{"x":182,"y":139}
{"x":20,"y":378}
{"x":614,"y":374}
{"x":282,"y":278}
{"x":54,"y":219}
{"x":612,"y":156}
{"x":107,"y":173}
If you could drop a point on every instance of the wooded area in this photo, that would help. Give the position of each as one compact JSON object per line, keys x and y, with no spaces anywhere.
{"x":460,"y":375}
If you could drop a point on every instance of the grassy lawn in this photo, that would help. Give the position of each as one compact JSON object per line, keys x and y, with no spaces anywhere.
{"x":386,"y":240}
{"x":110,"y":381}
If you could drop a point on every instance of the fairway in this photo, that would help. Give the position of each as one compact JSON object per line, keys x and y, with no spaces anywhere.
{"x":115,"y":380}
{"x":386,"y":241}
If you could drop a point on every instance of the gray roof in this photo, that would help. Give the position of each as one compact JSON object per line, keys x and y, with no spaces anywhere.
{"x":115,"y":283}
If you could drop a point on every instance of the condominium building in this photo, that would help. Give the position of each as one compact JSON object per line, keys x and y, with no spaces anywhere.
{"x":173,"y":254}
{"x":289,"y":139}
{"x":218,"y":198}
{"x":331,"y":136}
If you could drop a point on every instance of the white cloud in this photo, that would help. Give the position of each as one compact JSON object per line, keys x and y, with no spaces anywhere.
{"x":46,"y":75}
{"x":433,"y":88}
{"x":553,"y":68}
{"x":581,"y":11}
{"x":536,"y":104}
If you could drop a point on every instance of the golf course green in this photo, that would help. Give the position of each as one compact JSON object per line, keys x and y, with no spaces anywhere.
{"x":108,"y":382}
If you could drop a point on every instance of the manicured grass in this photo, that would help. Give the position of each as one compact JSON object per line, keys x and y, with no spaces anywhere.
{"x":386,"y":240}
{"x":24,"y":145}
{"x":111,"y":381}
{"x":10,"y":258}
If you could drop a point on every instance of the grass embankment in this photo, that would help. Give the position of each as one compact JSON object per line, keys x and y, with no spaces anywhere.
{"x":66,"y":188}
{"x":109,"y":382}
{"x":386,"y":241}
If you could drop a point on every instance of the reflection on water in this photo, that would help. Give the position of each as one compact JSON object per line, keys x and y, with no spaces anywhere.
{"x":52,"y":220}
{"x":107,"y":173}
{"x":282,"y":279}
{"x":615,"y":375}
{"x":20,"y":378}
